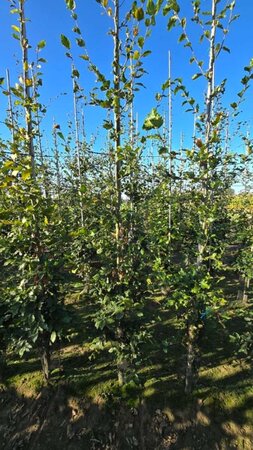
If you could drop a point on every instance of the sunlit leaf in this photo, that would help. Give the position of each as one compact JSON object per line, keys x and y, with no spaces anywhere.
{"x":196,"y":75}
{"x":71,"y":4}
{"x":80,"y":42}
{"x":41,"y":44}
{"x":139,"y":14}
{"x":65,"y":41}
{"x":15,"y":28}
{"x":153,"y":121}
{"x":53,"y":337}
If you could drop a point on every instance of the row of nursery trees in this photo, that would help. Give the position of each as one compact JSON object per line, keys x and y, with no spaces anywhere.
{"x":125,"y":228}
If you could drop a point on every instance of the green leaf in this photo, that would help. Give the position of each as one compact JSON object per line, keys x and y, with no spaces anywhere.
{"x":153,"y":120}
{"x":141,"y":41}
{"x":85,"y":57}
{"x":15,"y":28}
{"x":41,"y":44}
{"x":183,"y":22}
{"x":136,"y":55}
{"x":196,"y":75}
{"x":175,"y":6}
{"x":158,"y":5}
{"x":182,"y":37}
{"x":107,"y":125}
{"x":1,"y":81}
{"x":172,"y":22}
{"x":77,"y":30}
{"x":80,"y":42}
{"x":163,"y":150}
{"x":53,"y":337}
{"x":172,"y":5}
{"x":61,"y":135}
{"x":70,"y":4}
{"x":26,"y":175}
{"x":204,"y":284}
{"x":65,"y":41}
{"x":226,"y":49}
{"x":139,"y":14}
{"x":75,"y":73}
{"x":151,"y":8}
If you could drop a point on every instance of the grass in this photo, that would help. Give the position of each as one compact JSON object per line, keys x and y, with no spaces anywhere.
{"x":160,"y":371}
{"x":221,"y":405}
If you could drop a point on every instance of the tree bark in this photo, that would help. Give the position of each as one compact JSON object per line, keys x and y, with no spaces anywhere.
{"x":190,"y":371}
{"x":45,"y":356}
{"x":117,"y":133}
{"x":78,"y":151}
{"x":27,"y":83}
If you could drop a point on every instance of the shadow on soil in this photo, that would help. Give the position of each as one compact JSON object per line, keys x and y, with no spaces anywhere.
{"x":85,"y":409}
{"x":163,"y":419}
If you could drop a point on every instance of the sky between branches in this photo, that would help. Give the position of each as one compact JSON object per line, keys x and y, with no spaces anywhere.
{"x":49,"y":19}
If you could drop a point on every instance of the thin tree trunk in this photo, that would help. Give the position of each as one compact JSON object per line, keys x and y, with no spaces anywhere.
{"x":205,"y":226}
{"x":40,"y":148}
{"x":2,"y":358}
{"x":27,"y":81}
{"x":57,"y":160}
{"x":190,"y":372}
{"x":170,"y":154}
{"x":121,"y":375}
{"x":211,"y":69}
{"x":117,"y":143}
{"x":181,"y":175}
{"x":209,"y":112}
{"x":78,"y":153}
{"x":242,"y":294}
{"x":117,"y":131}
{"x":45,"y":356}
{"x":245,"y":289}
{"x":10,"y":107}
{"x":28,"y":103}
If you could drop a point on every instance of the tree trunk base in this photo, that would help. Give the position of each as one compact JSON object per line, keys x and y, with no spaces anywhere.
{"x":45,"y":362}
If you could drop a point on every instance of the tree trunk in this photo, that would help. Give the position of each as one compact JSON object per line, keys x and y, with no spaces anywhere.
{"x":208,"y":124}
{"x":170,"y":155}
{"x":78,"y":150}
{"x":243,"y":292}
{"x":10,"y":108}
{"x":117,"y":131}
{"x":57,"y":161}
{"x":27,"y":83}
{"x":122,"y":368}
{"x":191,"y":353}
{"x":45,"y":356}
{"x":2,"y":362}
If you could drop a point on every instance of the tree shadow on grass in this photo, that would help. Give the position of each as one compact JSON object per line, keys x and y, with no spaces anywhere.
{"x":84,"y":410}
{"x":217,"y":416}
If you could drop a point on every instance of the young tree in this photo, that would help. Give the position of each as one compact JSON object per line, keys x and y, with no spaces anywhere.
{"x":33,"y":237}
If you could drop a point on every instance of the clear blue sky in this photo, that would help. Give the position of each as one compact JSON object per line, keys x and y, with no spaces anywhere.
{"x":50,"y":18}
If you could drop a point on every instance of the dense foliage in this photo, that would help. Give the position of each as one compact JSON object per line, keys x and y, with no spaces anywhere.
{"x":122,"y":228}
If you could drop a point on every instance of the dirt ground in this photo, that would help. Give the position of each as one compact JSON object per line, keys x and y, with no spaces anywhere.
{"x":56,"y":420}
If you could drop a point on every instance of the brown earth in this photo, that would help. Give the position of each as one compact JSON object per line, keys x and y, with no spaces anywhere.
{"x":56,"y":420}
